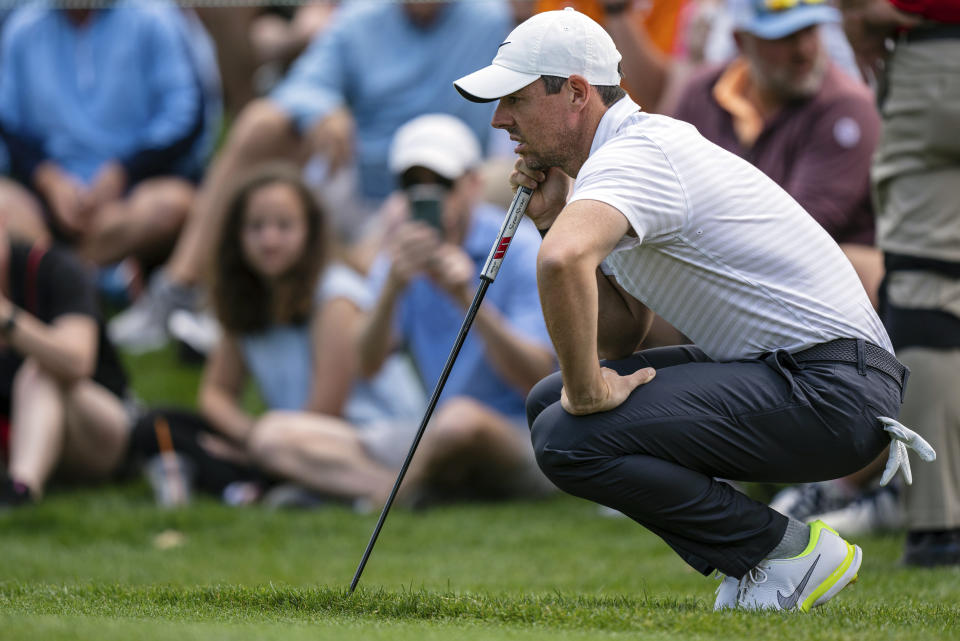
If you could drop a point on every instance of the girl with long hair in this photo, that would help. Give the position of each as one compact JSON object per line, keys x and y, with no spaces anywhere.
{"x":288,"y":315}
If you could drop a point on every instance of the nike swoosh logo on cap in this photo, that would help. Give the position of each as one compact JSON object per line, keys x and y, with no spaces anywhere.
{"x":504,"y":43}
{"x":788,"y":602}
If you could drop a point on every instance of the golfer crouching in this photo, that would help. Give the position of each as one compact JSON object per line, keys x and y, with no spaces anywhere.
{"x":791,"y":370}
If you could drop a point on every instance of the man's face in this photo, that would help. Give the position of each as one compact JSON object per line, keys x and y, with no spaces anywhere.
{"x":790,"y":67}
{"x":454,"y":200}
{"x":423,"y":14}
{"x":538,"y":122}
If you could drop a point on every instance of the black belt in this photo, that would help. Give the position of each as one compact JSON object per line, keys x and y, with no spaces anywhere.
{"x":933,"y":32}
{"x":844,"y":350}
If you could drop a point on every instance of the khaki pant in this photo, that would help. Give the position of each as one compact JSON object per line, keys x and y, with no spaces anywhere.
{"x":916,"y":183}
{"x":932,"y":408}
{"x":916,"y":169}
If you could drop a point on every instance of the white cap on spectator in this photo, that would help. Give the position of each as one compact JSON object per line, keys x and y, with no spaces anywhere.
{"x":439,"y":142}
{"x":552,"y":43}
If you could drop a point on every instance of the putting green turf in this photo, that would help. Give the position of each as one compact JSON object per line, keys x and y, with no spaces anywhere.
{"x":105,"y":564}
{"x":89,"y":564}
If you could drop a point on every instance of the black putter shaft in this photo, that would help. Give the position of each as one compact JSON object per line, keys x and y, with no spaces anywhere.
{"x":487,"y":276}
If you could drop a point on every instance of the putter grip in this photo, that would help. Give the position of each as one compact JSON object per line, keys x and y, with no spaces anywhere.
{"x":507,"y":230}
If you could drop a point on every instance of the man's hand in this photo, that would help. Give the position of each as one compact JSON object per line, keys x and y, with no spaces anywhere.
{"x":454,"y":272}
{"x":411,"y":250}
{"x":65,"y":195}
{"x":868,"y":23}
{"x":613,"y":392}
{"x":550,"y":192}
{"x":108,"y":185}
{"x":333,"y":137}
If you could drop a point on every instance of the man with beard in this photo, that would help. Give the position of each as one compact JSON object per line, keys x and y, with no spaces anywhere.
{"x":791,"y":377}
{"x":787,"y":109}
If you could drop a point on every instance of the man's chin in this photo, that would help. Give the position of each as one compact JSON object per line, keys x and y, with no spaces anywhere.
{"x":807,"y":85}
{"x":533,"y":162}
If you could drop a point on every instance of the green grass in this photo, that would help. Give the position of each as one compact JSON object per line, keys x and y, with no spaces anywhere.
{"x":85,"y":564}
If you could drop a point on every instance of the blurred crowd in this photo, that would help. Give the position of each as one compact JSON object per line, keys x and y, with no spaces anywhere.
{"x":297,"y":197}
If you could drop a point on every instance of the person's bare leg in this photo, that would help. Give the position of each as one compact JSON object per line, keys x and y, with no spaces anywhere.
{"x":229,"y":27}
{"x":37,"y":427}
{"x":97,"y":432}
{"x":262,"y":132}
{"x":468,"y":443}
{"x":21,"y":213}
{"x":319,"y":452}
{"x":145,"y":225}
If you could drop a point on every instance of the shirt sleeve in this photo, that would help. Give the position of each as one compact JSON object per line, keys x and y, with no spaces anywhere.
{"x":25,"y":150}
{"x":938,"y":10}
{"x":178,"y":120}
{"x":64,"y":286}
{"x":339,"y":281}
{"x":831,"y":177}
{"x":317,"y":84}
{"x":633,"y":175}
{"x":376,"y":280}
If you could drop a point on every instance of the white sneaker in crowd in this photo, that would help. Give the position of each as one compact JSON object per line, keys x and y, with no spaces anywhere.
{"x":808,"y":580}
{"x":808,"y":499}
{"x":878,"y":510}
{"x":199,"y":330}
{"x":139,"y":328}
{"x":142,"y":327}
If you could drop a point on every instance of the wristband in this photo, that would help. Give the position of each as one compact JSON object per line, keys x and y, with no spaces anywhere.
{"x":10,"y":322}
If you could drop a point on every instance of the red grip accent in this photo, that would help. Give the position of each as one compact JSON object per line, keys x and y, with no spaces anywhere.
{"x":502,"y":247}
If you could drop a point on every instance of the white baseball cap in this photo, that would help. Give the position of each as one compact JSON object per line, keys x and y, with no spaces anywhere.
{"x":440,"y":142}
{"x":552,"y":43}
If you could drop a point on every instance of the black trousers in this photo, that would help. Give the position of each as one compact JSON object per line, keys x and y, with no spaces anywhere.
{"x":657,"y":457}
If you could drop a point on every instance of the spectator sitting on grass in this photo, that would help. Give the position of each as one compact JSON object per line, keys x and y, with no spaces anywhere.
{"x":61,"y":383}
{"x":477,"y":444}
{"x":103,"y":114}
{"x":288,"y":319}
{"x":377,"y":66}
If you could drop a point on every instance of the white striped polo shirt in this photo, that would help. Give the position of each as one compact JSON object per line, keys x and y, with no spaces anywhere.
{"x":722,"y":252}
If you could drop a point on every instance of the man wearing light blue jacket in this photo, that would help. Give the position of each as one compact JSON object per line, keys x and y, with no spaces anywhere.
{"x":103,"y":114}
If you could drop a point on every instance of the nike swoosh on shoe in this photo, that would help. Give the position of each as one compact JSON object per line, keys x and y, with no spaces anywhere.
{"x":787,"y":603}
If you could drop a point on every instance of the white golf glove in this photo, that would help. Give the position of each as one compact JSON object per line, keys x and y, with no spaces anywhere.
{"x":902,"y":438}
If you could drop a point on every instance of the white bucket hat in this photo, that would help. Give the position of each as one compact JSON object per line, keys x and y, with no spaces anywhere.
{"x":552,"y":43}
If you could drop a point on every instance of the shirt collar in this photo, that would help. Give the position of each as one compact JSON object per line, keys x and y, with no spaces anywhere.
{"x":612,"y":120}
{"x":730,"y":93}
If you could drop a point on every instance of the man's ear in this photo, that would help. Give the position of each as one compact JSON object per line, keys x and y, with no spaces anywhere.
{"x":578,"y":90}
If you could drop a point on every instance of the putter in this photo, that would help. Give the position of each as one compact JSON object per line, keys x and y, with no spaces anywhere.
{"x":489,"y":273}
